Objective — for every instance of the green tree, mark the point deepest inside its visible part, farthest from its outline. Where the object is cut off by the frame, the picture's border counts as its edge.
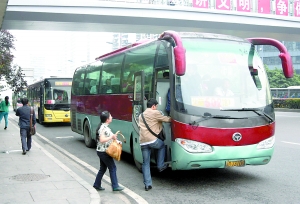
(12, 74)
(278, 80)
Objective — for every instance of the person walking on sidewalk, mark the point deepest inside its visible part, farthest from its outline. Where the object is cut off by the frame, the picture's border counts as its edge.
(148, 141)
(4, 109)
(24, 123)
(103, 141)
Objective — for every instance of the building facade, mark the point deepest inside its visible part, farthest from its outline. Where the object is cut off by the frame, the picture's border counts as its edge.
(270, 54)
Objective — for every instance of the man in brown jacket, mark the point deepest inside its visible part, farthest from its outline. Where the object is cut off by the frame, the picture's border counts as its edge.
(148, 141)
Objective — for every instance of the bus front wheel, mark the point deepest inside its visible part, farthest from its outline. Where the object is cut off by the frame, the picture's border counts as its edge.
(88, 140)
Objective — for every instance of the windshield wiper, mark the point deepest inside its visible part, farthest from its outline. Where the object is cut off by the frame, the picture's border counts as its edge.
(255, 110)
(208, 116)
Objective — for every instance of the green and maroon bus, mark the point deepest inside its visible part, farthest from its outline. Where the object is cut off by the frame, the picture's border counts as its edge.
(221, 103)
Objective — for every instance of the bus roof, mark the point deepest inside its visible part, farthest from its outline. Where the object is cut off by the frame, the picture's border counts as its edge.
(51, 78)
(120, 50)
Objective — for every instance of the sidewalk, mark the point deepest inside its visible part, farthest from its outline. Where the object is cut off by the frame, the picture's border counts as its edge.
(37, 177)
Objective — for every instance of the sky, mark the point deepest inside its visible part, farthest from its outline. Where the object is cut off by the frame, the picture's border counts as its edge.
(54, 52)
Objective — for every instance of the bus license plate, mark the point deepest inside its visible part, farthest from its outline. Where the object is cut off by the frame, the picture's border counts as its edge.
(66, 120)
(235, 163)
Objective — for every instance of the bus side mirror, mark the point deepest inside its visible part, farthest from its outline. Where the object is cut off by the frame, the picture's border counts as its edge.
(285, 57)
(179, 50)
(254, 72)
(180, 64)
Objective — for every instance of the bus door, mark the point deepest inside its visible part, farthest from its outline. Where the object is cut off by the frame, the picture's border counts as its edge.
(139, 105)
(40, 112)
(162, 87)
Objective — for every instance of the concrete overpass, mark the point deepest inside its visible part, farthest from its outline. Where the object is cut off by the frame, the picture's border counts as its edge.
(3, 5)
(103, 16)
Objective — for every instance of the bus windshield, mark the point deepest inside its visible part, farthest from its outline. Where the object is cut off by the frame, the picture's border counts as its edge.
(57, 93)
(222, 74)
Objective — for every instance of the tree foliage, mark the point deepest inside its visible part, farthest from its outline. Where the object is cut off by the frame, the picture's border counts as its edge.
(278, 80)
(12, 74)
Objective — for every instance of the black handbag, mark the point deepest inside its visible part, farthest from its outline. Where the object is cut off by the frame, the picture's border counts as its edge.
(160, 135)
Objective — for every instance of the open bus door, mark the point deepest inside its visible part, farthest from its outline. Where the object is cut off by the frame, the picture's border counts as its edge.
(162, 86)
(139, 105)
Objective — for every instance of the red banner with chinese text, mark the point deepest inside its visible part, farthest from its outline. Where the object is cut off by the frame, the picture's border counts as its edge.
(264, 6)
(223, 4)
(282, 7)
(297, 8)
(243, 5)
(200, 3)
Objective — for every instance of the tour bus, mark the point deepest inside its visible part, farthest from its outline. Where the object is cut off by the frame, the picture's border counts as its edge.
(51, 98)
(289, 92)
(208, 129)
(16, 99)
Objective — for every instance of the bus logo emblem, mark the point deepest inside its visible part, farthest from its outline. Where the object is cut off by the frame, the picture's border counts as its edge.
(66, 115)
(236, 136)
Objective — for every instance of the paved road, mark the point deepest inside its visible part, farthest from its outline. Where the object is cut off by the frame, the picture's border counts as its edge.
(277, 182)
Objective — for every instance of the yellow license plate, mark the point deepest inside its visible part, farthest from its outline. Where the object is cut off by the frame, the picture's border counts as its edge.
(66, 120)
(235, 163)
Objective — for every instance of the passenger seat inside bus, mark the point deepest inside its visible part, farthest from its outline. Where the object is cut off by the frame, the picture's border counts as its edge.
(115, 85)
(93, 89)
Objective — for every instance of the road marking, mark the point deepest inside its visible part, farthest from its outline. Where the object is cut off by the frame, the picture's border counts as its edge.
(64, 137)
(291, 143)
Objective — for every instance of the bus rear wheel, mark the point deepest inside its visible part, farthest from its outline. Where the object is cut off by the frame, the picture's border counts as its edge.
(88, 140)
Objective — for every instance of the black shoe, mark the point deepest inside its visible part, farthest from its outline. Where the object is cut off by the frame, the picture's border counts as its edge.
(99, 188)
(163, 168)
(24, 152)
(118, 189)
(5, 128)
(147, 188)
(27, 150)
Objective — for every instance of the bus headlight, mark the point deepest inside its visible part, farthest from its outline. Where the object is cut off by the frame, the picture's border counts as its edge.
(193, 146)
(267, 143)
(48, 115)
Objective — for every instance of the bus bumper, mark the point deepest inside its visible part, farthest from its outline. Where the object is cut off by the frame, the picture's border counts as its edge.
(221, 157)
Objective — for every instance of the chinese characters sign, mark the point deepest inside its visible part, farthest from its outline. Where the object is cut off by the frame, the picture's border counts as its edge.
(200, 3)
(297, 8)
(223, 4)
(264, 6)
(282, 7)
(243, 5)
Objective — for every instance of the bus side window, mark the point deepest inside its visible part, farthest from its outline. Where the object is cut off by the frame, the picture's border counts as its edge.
(115, 85)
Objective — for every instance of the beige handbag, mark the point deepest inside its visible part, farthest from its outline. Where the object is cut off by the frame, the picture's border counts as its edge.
(115, 149)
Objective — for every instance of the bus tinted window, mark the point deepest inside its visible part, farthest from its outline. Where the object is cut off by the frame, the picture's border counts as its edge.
(111, 73)
(78, 81)
(162, 57)
(92, 78)
(137, 60)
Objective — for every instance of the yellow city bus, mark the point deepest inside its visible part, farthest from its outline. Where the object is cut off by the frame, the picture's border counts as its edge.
(51, 99)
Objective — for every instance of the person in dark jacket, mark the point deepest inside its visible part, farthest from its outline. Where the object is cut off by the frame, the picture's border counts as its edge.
(24, 123)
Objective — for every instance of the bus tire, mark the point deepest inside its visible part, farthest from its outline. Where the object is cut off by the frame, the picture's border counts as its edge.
(88, 140)
(137, 164)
